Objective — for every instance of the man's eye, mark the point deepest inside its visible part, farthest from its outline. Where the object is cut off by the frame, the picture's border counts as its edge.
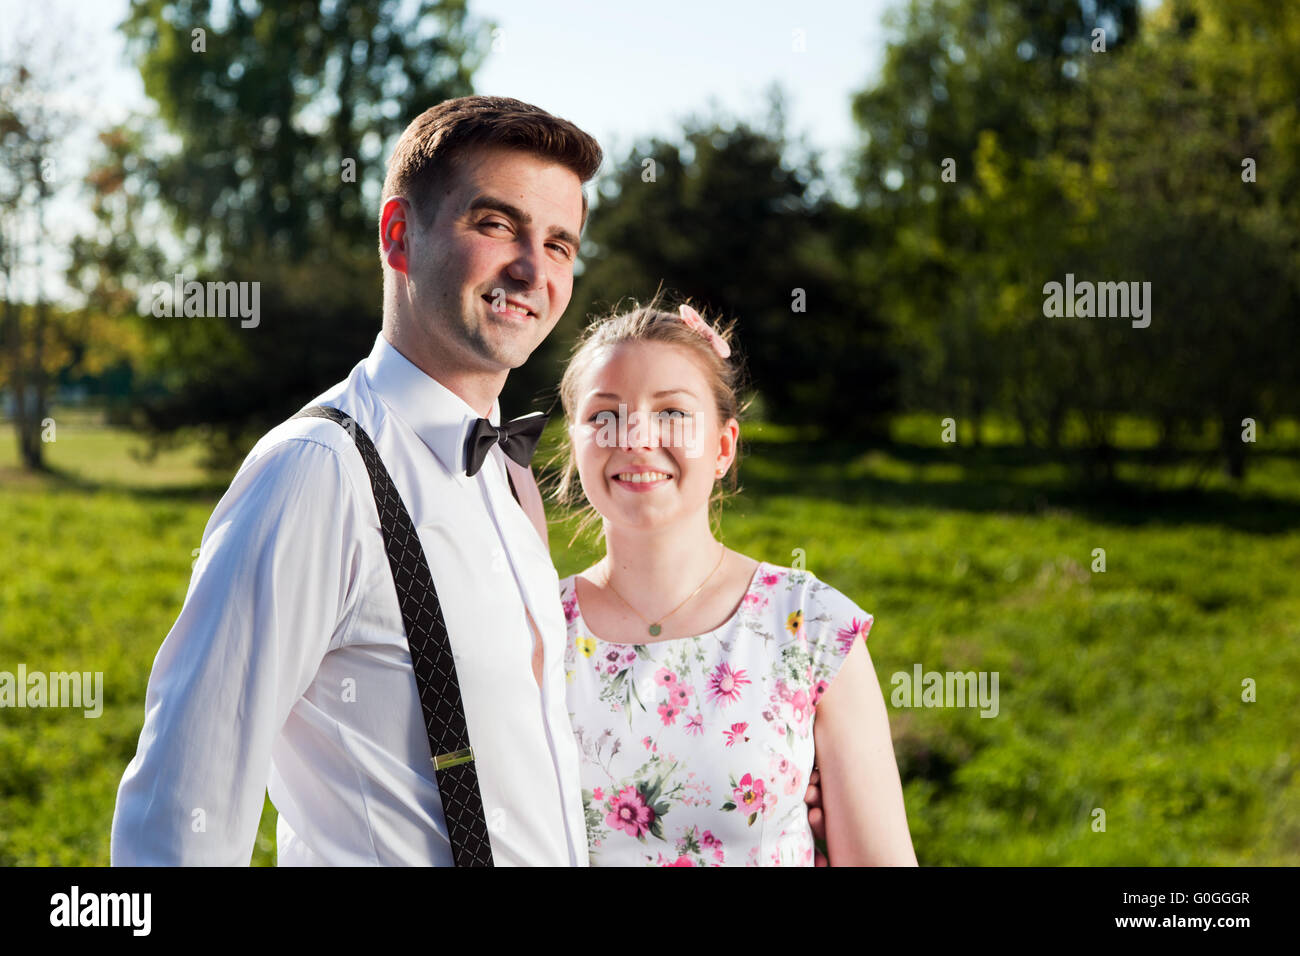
(562, 249)
(494, 222)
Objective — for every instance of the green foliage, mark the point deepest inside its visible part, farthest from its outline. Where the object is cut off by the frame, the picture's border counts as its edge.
(727, 217)
(1123, 165)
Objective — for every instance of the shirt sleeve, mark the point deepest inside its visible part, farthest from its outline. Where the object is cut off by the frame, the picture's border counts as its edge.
(833, 624)
(274, 579)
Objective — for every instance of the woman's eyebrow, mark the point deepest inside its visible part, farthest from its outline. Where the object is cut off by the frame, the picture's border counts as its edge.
(519, 216)
(667, 391)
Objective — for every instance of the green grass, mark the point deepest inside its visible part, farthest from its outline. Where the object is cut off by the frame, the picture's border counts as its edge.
(1119, 690)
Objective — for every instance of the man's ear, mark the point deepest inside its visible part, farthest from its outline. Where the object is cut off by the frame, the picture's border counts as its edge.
(394, 231)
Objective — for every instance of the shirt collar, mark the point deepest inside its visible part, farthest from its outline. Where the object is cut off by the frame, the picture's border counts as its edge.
(438, 415)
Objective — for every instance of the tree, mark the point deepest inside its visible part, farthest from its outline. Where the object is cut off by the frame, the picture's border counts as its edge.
(32, 130)
(727, 217)
(284, 113)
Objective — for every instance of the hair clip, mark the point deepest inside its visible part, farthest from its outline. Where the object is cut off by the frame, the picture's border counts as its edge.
(694, 320)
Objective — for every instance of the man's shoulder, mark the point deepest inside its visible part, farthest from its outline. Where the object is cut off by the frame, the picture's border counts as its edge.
(296, 442)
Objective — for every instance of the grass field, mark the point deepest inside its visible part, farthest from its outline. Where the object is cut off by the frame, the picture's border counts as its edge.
(1120, 691)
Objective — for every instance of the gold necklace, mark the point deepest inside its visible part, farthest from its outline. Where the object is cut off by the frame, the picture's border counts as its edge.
(655, 628)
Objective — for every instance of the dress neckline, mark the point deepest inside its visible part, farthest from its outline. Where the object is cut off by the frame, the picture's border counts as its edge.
(577, 607)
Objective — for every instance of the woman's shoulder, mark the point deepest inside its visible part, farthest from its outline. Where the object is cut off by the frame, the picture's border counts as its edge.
(792, 591)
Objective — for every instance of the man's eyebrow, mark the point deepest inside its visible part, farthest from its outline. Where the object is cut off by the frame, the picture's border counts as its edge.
(521, 217)
(667, 391)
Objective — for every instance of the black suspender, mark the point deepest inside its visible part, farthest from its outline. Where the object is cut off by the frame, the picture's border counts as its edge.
(435, 671)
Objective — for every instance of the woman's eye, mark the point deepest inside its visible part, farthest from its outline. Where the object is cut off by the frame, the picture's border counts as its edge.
(599, 415)
(675, 413)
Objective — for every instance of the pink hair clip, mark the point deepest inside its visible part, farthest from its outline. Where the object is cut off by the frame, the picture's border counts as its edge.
(694, 320)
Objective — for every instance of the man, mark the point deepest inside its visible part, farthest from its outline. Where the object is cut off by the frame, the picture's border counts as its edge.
(288, 666)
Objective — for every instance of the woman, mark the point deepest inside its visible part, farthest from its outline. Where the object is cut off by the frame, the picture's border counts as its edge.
(704, 684)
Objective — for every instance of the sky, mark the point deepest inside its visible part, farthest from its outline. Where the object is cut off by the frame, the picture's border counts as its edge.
(620, 70)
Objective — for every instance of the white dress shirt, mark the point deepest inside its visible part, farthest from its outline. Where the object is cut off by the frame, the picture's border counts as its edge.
(288, 667)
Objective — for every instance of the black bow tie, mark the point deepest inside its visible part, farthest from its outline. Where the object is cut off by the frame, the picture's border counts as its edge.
(518, 438)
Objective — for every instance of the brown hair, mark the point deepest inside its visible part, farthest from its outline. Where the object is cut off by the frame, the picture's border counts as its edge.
(427, 152)
(649, 323)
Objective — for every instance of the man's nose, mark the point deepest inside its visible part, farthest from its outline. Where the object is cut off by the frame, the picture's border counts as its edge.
(526, 266)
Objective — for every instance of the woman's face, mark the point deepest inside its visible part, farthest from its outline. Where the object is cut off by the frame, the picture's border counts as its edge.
(646, 436)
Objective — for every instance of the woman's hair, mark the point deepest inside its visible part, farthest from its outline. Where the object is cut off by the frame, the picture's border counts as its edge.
(648, 323)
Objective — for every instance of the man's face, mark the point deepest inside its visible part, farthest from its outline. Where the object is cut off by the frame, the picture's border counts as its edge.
(491, 274)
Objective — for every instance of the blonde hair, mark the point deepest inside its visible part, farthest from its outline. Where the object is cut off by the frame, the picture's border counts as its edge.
(649, 323)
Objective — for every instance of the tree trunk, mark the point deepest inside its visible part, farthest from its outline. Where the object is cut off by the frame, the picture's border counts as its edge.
(1233, 448)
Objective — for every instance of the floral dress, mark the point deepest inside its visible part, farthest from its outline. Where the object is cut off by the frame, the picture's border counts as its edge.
(696, 750)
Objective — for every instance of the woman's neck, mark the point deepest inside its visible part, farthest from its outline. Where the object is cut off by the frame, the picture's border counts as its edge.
(656, 570)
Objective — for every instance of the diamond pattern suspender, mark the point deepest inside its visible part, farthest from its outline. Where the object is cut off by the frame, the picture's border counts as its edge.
(435, 671)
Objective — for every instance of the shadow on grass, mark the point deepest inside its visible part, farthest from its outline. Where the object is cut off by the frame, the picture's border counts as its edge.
(993, 478)
(996, 479)
(65, 481)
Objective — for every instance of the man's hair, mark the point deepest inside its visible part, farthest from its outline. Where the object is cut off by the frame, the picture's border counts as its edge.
(426, 154)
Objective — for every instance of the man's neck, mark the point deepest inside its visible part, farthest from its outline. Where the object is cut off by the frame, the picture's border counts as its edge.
(478, 390)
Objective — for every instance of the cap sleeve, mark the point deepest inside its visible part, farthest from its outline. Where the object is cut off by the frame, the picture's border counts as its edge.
(833, 624)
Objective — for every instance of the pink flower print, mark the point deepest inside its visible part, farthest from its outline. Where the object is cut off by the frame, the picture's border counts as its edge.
(629, 657)
(571, 609)
(628, 812)
(665, 678)
(680, 695)
(753, 601)
(695, 724)
(598, 793)
(750, 796)
(718, 855)
(735, 733)
(725, 684)
(851, 632)
(800, 705)
(709, 839)
(680, 861)
(779, 766)
(818, 689)
(668, 713)
(769, 802)
(645, 742)
(793, 781)
(770, 579)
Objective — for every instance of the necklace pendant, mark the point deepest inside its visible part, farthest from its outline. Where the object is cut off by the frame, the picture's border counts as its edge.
(654, 630)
